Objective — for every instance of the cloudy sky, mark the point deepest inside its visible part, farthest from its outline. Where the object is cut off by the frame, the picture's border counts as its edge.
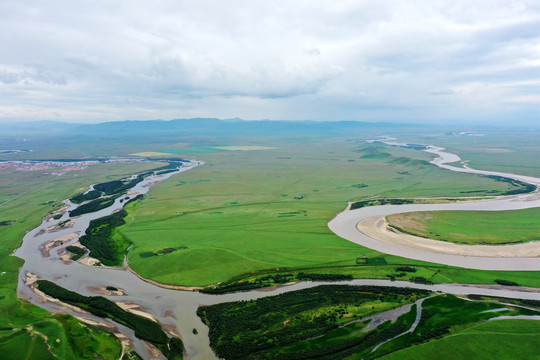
(322, 60)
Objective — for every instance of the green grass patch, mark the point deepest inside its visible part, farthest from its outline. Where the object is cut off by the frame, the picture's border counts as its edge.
(33, 347)
(500, 339)
(447, 315)
(472, 227)
(233, 218)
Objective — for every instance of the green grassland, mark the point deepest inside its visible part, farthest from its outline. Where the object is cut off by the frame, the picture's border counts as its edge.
(472, 227)
(448, 320)
(27, 331)
(250, 211)
(499, 339)
(511, 151)
(245, 215)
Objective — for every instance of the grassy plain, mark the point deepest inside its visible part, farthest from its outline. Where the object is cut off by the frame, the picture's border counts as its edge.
(500, 339)
(445, 317)
(472, 227)
(27, 331)
(512, 151)
(250, 211)
(256, 210)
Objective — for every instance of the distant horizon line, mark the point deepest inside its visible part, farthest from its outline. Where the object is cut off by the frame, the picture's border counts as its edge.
(447, 123)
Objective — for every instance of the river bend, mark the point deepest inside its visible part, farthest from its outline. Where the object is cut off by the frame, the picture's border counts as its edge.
(176, 310)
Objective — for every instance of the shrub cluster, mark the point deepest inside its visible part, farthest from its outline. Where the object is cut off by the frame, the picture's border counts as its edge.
(76, 252)
(506, 282)
(90, 195)
(323, 277)
(118, 186)
(97, 237)
(361, 204)
(406, 269)
(145, 329)
(93, 206)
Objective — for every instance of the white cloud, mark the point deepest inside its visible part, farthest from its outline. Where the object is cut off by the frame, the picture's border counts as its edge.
(94, 60)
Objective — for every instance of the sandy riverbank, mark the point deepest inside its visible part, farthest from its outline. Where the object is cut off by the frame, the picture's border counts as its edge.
(377, 228)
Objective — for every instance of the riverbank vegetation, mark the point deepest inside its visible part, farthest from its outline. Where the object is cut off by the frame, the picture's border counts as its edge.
(271, 280)
(521, 186)
(376, 202)
(93, 206)
(416, 272)
(90, 195)
(119, 186)
(102, 237)
(144, 328)
(76, 252)
(471, 227)
(27, 331)
(98, 238)
(258, 329)
(308, 324)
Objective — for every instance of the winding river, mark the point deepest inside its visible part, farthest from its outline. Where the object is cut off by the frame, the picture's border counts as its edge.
(176, 310)
(345, 223)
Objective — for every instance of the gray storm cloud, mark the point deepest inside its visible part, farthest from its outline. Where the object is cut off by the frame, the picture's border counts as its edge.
(353, 60)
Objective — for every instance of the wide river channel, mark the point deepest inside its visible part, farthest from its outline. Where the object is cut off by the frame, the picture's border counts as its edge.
(176, 310)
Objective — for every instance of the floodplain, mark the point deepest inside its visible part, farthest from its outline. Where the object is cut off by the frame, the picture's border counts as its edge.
(262, 210)
(255, 216)
(471, 227)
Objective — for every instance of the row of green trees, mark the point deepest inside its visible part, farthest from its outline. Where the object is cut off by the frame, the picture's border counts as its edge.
(270, 280)
(364, 203)
(90, 195)
(120, 186)
(93, 206)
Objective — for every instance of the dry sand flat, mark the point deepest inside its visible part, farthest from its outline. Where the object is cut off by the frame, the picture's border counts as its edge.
(46, 248)
(378, 229)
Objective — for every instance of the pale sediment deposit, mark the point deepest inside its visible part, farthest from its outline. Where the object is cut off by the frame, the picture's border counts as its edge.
(378, 229)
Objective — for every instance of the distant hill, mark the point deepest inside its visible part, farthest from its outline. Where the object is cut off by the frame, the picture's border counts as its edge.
(194, 127)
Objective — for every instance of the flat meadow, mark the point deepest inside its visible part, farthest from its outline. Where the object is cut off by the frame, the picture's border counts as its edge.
(247, 211)
(472, 227)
